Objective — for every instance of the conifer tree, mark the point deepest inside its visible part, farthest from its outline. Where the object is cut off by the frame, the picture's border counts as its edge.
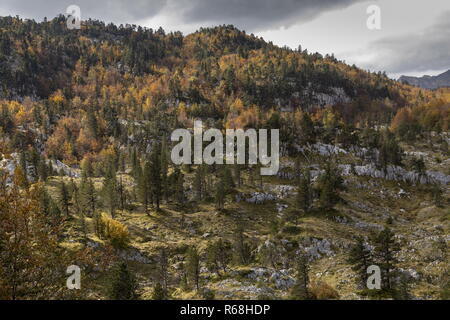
(109, 190)
(330, 184)
(155, 175)
(300, 291)
(304, 193)
(123, 284)
(390, 151)
(218, 256)
(360, 258)
(142, 184)
(193, 266)
(164, 170)
(158, 292)
(199, 183)
(179, 186)
(386, 248)
(88, 196)
(220, 194)
(242, 249)
(437, 192)
(163, 270)
(64, 198)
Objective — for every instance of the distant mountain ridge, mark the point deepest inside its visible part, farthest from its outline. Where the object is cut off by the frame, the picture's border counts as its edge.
(428, 82)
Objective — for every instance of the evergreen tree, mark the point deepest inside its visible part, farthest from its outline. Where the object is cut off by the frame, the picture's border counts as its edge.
(179, 186)
(193, 266)
(304, 193)
(330, 184)
(242, 249)
(121, 191)
(228, 180)
(390, 151)
(43, 171)
(158, 292)
(88, 196)
(199, 183)
(155, 175)
(123, 284)
(360, 258)
(437, 192)
(64, 198)
(164, 170)
(385, 251)
(237, 175)
(163, 268)
(142, 176)
(218, 256)
(109, 190)
(220, 194)
(300, 291)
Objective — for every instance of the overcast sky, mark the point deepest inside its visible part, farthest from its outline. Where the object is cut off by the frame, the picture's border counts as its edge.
(414, 38)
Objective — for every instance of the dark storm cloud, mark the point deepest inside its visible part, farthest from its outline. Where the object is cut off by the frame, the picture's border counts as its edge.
(251, 15)
(118, 11)
(427, 50)
(259, 14)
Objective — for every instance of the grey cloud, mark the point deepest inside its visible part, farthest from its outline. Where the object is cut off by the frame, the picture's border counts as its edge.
(118, 11)
(251, 15)
(258, 15)
(428, 50)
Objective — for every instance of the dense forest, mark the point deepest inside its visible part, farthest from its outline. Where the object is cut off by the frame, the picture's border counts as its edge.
(85, 121)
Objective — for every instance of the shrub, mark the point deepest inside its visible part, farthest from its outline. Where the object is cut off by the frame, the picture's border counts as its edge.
(114, 231)
(291, 229)
(323, 291)
(208, 294)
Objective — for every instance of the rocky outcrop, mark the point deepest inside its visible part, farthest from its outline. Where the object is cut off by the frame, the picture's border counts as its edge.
(396, 173)
(256, 197)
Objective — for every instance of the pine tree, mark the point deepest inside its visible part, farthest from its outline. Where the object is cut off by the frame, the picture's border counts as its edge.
(330, 184)
(43, 171)
(437, 192)
(64, 198)
(123, 284)
(179, 186)
(304, 194)
(121, 190)
(109, 190)
(228, 180)
(237, 175)
(360, 258)
(385, 251)
(158, 292)
(199, 183)
(164, 170)
(193, 266)
(300, 291)
(77, 207)
(218, 256)
(88, 196)
(163, 270)
(155, 175)
(402, 291)
(390, 151)
(242, 250)
(220, 194)
(142, 177)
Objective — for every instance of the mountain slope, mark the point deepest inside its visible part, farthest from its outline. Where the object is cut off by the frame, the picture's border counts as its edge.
(428, 82)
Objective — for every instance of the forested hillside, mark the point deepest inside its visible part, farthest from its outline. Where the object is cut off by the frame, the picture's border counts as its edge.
(86, 177)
